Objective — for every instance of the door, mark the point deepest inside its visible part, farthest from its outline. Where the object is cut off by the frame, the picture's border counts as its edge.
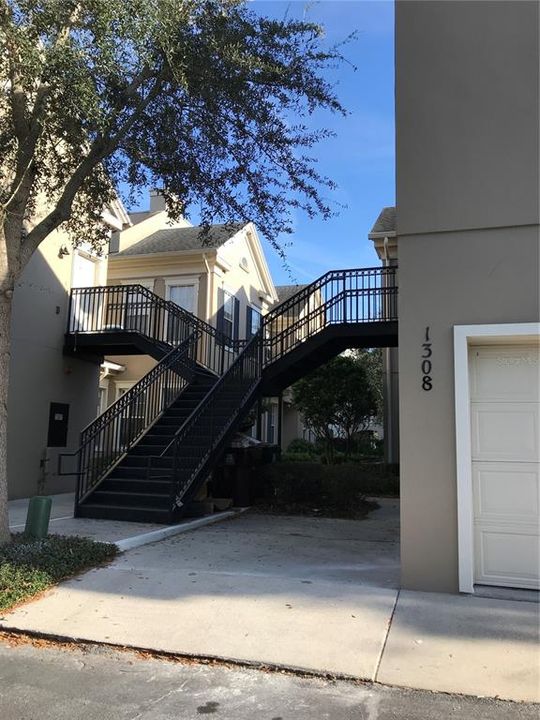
(185, 296)
(83, 306)
(505, 464)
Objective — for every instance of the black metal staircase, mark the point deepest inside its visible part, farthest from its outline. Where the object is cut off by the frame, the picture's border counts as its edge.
(148, 454)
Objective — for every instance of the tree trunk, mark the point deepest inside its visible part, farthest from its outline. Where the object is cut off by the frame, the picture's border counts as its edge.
(5, 354)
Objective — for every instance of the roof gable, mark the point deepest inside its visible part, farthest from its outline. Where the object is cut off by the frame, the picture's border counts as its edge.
(182, 239)
(385, 224)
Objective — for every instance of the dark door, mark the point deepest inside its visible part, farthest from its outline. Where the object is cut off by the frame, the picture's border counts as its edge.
(58, 425)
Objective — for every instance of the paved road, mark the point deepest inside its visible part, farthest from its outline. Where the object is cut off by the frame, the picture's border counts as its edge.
(91, 682)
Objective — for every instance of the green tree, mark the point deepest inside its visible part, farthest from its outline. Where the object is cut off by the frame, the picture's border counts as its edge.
(203, 98)
(337, 400)
(372, 361)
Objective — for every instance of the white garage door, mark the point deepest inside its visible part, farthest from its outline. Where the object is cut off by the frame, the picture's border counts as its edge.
(505, 405)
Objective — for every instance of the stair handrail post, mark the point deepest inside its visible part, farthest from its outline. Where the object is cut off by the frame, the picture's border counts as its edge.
(344, 298)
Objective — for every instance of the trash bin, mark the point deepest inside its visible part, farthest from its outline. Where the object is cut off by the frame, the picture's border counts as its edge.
(38, 516)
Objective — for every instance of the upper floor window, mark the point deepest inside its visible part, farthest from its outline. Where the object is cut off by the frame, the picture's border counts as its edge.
(228, 314)
(253, 321)
(184, 296)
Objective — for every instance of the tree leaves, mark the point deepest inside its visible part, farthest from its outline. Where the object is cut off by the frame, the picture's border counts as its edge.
(203, 98)
(337, 399)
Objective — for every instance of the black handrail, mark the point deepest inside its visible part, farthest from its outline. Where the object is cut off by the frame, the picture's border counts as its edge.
(211, 419)
(331, 283)
(338, 297)
(347, 307)
(110, 309)
(106, 440)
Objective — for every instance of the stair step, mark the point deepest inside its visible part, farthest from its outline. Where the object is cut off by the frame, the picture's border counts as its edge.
(113, 498)
(167, 430)
(137, 485)
(139, 461)
(152, 438)
(147, 450)
(124, 512)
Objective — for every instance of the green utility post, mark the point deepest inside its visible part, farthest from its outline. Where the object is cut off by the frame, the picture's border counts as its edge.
(37, 519)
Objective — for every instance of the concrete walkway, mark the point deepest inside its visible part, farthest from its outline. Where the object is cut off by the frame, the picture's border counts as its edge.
(126, 535)
(313, 594)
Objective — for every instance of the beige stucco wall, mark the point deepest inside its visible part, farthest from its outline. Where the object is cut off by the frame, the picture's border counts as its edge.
(293, 426)
(467, 223)
(41, 374)
(489, 276)
(466, 114)
(223, 268)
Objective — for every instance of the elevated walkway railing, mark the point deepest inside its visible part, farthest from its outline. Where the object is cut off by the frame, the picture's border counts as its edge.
(133, 309)
(340, 297)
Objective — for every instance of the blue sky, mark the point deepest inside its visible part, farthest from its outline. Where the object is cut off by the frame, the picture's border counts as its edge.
(360, 159)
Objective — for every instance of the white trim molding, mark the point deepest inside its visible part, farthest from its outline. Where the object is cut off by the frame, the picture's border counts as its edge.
(464, 337)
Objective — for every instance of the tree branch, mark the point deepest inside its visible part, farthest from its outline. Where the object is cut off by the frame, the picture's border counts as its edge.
(99, 150)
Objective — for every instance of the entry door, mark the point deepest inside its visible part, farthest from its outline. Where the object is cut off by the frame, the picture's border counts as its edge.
(184, 297)
(505, 465)
(83, 275)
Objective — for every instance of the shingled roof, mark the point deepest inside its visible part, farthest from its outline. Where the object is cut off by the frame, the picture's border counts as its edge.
(385, 223)
(181, 239)
(284, 292)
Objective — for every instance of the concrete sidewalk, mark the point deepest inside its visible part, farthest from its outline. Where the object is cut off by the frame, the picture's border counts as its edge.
(126, 535)
(311, 594)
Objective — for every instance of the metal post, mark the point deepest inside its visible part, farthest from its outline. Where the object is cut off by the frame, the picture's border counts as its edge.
(280, 418)
(259, 419)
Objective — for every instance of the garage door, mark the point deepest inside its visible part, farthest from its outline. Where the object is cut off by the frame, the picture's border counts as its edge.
(505, 392)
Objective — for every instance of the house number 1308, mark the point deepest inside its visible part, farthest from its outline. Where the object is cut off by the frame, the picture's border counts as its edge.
(427, 381)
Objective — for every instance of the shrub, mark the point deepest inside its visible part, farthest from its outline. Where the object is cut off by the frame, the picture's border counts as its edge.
(29, 566)
(299, 445)
(298, 457)
(318, 484)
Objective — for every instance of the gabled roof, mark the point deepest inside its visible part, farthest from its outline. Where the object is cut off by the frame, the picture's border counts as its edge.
(284, 292)
(385, 224)
(137, 217)
(177, 239)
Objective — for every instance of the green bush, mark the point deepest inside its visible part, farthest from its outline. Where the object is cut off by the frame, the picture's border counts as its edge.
(299, 445)
(298, 457)
(29, 566)
(332, 485)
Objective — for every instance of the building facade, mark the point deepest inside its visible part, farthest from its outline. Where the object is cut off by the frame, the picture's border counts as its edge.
(468, 252)
(51, 396)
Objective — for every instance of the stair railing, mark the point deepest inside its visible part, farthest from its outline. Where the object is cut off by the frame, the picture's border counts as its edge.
(113, 309)
(338, 297)
(208, 424)
(106, 440)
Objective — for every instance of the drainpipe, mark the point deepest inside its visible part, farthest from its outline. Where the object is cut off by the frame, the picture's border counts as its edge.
(385, 246)
(208, 288)
(388, 420)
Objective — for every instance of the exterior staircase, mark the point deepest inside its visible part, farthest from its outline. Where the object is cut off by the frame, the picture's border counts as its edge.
(145, 458)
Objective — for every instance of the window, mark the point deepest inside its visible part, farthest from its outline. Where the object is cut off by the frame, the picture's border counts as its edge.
(137, 312)
(183, 296)
(228, 314)
(253, 321)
